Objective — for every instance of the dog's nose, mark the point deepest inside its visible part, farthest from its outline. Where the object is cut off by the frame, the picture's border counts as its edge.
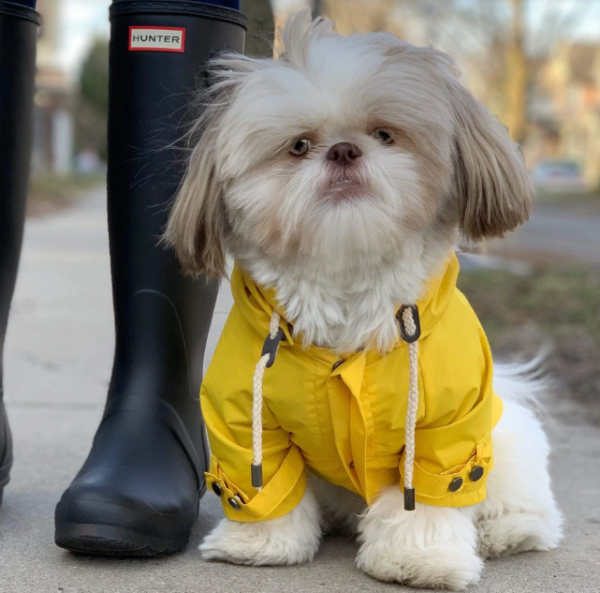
(344, 153)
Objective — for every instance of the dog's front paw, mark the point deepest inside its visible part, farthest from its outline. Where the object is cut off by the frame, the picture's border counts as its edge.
(291, 539)
(432, 568)
(430, 547)
(258, 544)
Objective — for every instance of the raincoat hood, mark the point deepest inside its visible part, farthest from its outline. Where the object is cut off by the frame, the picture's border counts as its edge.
(347, 418)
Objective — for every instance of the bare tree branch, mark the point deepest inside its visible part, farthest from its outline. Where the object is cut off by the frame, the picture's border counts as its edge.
(502, 42)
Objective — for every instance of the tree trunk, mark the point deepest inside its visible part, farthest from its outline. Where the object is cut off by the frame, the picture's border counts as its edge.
(317, 8)
(517, 75)
(261, 27)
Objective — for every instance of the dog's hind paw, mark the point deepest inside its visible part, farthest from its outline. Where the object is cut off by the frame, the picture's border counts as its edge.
(512, 533)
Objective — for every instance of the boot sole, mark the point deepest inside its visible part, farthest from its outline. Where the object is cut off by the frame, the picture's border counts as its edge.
(108, 540)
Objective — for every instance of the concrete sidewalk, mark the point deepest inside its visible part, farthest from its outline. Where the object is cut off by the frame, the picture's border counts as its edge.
(57, 369)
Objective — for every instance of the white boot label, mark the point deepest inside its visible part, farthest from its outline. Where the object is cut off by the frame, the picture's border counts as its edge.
(156, 39)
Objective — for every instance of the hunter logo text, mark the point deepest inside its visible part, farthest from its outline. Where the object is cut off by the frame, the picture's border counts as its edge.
(157, 39)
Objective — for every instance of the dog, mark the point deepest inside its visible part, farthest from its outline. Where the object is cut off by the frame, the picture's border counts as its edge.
(340, 178)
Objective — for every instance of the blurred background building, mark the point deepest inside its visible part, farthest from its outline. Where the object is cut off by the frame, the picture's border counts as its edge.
(53, 131)
(535, 63)
(70, 31)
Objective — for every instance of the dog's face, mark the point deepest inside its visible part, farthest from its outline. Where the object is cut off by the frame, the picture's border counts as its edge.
(345, 147)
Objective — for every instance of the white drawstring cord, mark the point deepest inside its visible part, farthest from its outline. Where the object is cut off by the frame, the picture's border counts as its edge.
(412, 331)
(257, 403)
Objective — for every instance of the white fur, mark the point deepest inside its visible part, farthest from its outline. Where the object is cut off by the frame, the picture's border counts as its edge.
(432, 547)
(439, 548)
(348, 307)
(520, 512)
(443, 548)
(341, 509)
(291, 539)
(343, 259)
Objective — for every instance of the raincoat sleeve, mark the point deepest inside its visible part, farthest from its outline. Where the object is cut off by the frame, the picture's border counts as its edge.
(226, 400)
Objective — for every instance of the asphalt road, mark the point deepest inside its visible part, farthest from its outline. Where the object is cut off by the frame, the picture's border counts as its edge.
(57, 368)
(554, 235)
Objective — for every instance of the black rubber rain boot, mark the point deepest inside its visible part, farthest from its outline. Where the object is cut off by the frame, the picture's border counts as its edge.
(18, 34)
(137, 494)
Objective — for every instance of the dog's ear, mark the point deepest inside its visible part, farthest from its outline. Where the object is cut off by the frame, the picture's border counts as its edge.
(492, 185)
(197, 223)
(196, 227)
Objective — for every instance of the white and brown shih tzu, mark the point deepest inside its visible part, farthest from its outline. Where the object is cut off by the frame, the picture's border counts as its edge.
(339, 177)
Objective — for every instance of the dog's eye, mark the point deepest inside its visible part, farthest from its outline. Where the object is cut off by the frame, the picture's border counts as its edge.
(383, 136)
(301, 147)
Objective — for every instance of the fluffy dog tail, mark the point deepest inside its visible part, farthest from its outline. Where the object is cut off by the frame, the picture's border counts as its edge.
(527, 383)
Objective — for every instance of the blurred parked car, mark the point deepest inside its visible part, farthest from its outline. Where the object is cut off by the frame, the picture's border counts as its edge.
(558, 176)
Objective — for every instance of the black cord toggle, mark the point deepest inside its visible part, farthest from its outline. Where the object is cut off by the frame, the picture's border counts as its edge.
(271, 346)
(257, 475)
(409, 338)
(409, 499)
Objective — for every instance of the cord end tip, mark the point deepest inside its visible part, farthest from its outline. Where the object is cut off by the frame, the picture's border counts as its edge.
(257, 476)
(409, 499)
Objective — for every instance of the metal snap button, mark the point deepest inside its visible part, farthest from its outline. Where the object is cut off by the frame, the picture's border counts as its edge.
(455, 484)
(234, 504)
(476, 473)
(336, 365)
(217, 488)
(352, 465)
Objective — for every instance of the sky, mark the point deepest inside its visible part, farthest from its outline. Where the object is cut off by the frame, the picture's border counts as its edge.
(81, 21)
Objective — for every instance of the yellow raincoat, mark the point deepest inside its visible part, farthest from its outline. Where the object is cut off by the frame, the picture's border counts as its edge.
(344, 421)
